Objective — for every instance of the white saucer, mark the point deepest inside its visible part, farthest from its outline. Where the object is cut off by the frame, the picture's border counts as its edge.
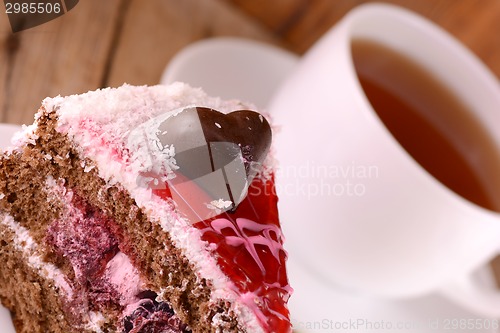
(250, 71)
(232, 68)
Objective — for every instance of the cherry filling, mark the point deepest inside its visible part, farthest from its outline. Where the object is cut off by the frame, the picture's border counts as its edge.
(83, 236)
(90, 241)
(248, 248)
(151, 316)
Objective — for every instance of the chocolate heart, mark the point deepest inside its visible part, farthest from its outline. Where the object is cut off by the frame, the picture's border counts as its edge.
(228, 147)
(248, 129)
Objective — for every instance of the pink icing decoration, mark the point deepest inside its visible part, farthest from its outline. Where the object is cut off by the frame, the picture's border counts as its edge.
(264, 237)
(248, 234)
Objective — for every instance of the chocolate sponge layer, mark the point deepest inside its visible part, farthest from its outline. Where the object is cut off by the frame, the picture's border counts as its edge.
(33, 300)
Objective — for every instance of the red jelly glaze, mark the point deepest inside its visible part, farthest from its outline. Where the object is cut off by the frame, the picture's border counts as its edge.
(270, 287)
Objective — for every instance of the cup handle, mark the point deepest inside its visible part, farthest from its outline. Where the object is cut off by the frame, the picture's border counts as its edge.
(474, 294)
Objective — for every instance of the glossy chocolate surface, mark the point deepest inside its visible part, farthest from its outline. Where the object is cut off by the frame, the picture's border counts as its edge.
(221, 153)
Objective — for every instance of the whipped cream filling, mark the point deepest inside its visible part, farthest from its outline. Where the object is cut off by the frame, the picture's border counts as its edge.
(124, 277)
(95, 322)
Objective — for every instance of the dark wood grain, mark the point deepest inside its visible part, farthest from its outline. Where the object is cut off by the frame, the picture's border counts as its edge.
(101, 43)
(153, 31)
(64, 56)
(106, 43)
(299, 23)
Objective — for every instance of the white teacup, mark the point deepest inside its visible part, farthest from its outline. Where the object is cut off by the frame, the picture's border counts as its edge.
(358, 209)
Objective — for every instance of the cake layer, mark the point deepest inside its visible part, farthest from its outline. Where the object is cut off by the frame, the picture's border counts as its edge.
(42, 197)
(29, 287)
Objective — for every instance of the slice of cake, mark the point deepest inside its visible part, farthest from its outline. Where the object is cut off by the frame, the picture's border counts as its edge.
(142, 209)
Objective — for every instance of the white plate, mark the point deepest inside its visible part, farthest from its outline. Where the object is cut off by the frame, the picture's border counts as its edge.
(235, 68)
(6, 132)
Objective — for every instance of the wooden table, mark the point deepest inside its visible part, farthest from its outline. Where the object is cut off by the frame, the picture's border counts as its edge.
(108, 42)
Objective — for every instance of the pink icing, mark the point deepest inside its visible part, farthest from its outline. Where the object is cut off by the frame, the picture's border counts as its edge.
(124, 277)
(266, 235)
(249, 234)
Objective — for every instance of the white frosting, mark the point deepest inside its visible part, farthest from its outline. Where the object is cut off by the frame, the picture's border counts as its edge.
(99, 123)
(148, 152)
(95, 322)
(25, 136)
(219, 206)
(25, 244)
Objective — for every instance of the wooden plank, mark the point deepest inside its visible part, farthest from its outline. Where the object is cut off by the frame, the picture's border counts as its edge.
(67, 55)
(277, 15)
(155, 30)
(301, 22)
(5, 60)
